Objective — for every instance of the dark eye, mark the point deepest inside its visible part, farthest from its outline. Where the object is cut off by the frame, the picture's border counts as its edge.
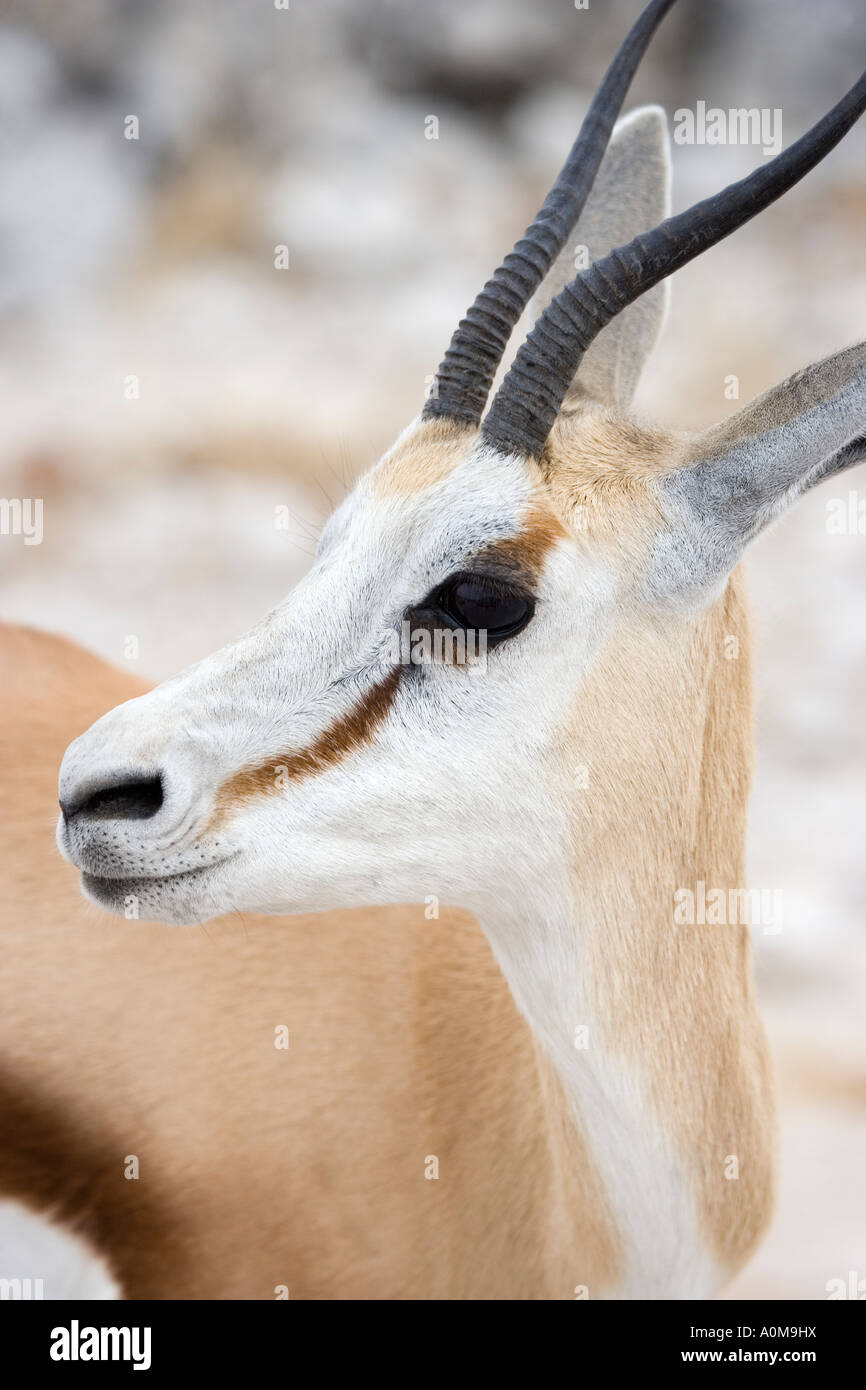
(482, 603)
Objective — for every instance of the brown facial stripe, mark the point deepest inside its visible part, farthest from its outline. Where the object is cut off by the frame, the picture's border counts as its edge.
(350, 732)
(524, 554)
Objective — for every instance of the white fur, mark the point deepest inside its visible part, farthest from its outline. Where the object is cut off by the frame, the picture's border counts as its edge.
(51, 1261)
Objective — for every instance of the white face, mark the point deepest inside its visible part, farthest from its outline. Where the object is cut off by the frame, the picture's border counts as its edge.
(308, 766)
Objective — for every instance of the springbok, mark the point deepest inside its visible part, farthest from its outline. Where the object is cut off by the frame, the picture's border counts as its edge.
(553, 1088)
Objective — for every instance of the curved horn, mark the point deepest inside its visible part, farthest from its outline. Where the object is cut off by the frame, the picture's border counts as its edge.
(469, 365)
(526, 405)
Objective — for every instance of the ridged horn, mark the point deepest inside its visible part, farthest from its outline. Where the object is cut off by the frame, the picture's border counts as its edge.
(522, 413)
(466, 373)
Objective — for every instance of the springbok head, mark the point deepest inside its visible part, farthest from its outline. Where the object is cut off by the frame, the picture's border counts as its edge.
(503, 597)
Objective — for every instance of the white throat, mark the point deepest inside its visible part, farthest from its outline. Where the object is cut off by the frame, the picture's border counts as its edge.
(536, 931)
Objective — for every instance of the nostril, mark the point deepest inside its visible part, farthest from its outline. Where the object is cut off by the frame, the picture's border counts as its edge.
(137, 799)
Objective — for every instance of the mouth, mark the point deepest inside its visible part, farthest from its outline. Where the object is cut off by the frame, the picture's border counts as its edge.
(181, 897)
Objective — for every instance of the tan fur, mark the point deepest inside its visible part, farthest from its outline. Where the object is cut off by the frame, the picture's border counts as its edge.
(422, 458)
(598, 472)
(671, 777)
(670, 780)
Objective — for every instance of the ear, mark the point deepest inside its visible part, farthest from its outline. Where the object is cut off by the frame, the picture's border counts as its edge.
(743, 473)
(631, 194)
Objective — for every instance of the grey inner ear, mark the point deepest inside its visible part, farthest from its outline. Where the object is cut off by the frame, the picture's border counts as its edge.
(743, 473)
(852, 452)
(631, 194)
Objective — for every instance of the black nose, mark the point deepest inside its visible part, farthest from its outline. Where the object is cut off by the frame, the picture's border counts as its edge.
(137, 799)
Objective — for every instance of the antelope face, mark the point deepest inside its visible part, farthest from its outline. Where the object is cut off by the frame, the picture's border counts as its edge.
(316, 763)
(368, 741)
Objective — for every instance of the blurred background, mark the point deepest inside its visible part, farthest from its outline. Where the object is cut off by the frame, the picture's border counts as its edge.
(167, 381)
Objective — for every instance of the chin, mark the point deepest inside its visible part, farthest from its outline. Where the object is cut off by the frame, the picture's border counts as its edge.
(181, 900)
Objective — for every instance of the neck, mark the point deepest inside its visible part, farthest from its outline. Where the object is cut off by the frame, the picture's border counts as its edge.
(651, 1025)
